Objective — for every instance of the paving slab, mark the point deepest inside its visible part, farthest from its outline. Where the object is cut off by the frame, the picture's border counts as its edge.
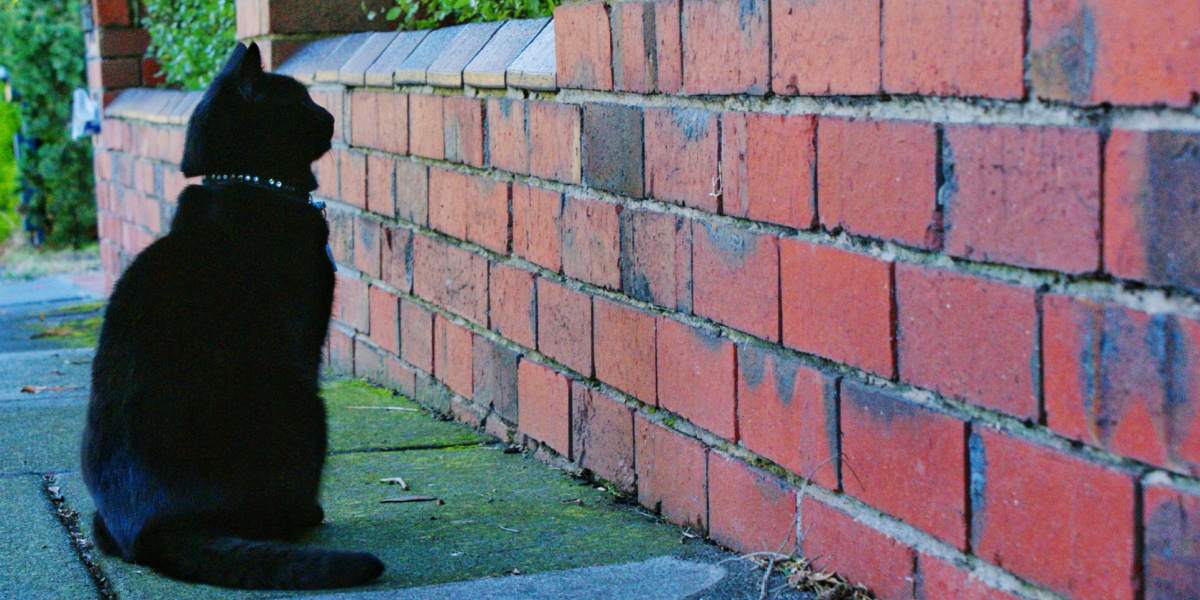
(63, 370)
(488, 67)
(35, 551)
(416, 64)
(304, 63)
(42, 434)
(535, 68)
(354, 71)
(380, 72)
(446, 70)
(330, 66)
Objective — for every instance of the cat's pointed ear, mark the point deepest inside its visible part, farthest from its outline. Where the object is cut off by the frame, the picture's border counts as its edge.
(250, 71)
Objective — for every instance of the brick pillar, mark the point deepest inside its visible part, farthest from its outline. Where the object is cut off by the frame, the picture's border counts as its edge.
(116, 49)
(282, 26)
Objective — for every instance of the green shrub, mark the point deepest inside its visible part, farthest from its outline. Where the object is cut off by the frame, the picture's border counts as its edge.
(10, 121)
(426, 14)
(41, 43)
(190, 38)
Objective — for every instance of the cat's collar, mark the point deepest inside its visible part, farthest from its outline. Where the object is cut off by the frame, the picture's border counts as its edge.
(265, 182)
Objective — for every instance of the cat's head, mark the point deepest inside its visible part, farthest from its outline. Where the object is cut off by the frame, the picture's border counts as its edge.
(256, 123)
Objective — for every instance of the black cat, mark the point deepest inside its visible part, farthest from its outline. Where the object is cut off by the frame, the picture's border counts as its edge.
(206, 437)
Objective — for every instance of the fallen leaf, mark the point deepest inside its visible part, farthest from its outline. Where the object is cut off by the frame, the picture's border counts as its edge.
(399, 499)
(37, 389)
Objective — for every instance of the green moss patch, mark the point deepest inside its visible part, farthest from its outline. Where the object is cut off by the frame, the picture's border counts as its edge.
(362, 416)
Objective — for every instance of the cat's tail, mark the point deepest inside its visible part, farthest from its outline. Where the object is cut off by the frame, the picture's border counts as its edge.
(255, 564)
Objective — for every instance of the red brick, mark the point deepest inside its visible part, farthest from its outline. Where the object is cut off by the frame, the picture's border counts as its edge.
(368, 361)
(948, 48)
(352, 171)
(452, 278)
(751, 511)
(591, 241)
(416, 335)
(656, 258)
(513, 306)
(968, 337)
(495, 381)
(1172, 543)
(364, 118)
(681, 156)
(1036, 511)
(612, 148)
(726, 47)
(1029, 196)
(381, 185)
(122, 42)
(633, 47)
(671, 473)
(367, 245)
(908, 461)
(412, 192)
(452, 355)
(564, 325)
(1096, 51)
(937, 578)
(111, 12)
(1122, 379)
(487, 212)
(399, 376)
(767, 164)
(379, 120)
(121, 72)
(508, 136)
(341, 234)
(837, 304)
(624, 348)
(668, 46)
(583, 51)
(835, 541)
(544, 406)
(463, 130)
(152, 73)
(602, 435)
(825, 47)
(536, 218)
(696, 372)
(341, 349)
(879, 179)
(426, 127)
(1150, 210)
(728, 261)
(397, 256)
(385, 319)
(333, 99)
(554, 131)
(350, 301)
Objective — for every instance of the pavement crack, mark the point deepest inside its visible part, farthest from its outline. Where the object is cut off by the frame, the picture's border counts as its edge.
(83, 547)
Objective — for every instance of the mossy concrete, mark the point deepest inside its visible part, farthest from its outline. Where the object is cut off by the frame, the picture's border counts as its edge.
(362, 417)
(37, 557)
(41, 435)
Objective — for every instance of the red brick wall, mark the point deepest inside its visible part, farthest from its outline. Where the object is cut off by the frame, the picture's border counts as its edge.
(923, 307)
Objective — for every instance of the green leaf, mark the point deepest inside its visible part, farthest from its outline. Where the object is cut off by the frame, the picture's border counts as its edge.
(393, 13)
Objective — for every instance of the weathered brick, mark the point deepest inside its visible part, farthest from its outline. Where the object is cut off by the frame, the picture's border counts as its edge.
(341, 349)
(825, 47)
(908, 461)
(681, 155)
(448, 202)
(1035, 510)
(1151, 212)
(751, 511)
(412, 192)
(508, 135)
(591, 241)
(385, 319)
(1172, 542)
(726, 47)
(938, 578)
(513, 304)
(350, 301)
(397, 257)
(671, 473)
(487, 213)
(391, 123)
(364, 118)
(416, 335)
(612, 148)
(399, 376)
(463, 130)
(367, 253)
(767, 167)
(1122, 379)
(837, 304)
(656, 258)
(728, 261)
(426, 137)
(878, 179)
(452, 354)
(969, 337)
(1029, 196)
(836, 542)
(381, 185)
(341, 234)
(495, 381)
(583, 49)
(111, 12)
(537, 215)
(554, 132)
(333, 99)
(352, 175)
(451, 277)
(696, 372)
(633, 47)
(1096, 51)
(368, 361)
(788, 413)
(948, 48)
(668, 46)
(602, 435)
(544, 405)
(624, 348)
(564, 325)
